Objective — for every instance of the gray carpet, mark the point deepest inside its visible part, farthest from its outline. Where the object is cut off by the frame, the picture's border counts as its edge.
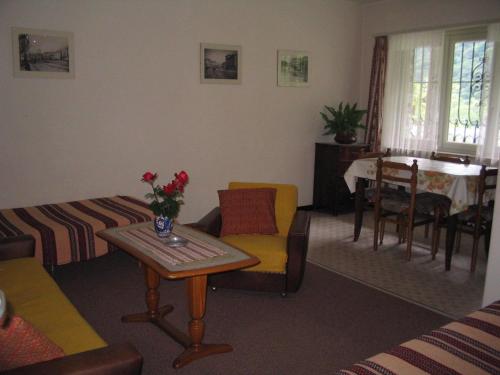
(423, 281)
(329, 324)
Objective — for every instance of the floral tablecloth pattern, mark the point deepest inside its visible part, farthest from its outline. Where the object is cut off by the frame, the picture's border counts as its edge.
(456, 181)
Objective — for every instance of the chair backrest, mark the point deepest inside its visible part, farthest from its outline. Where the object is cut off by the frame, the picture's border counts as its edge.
(387, 171)
(365, 155)
(483, 185)
(450, 158)
(285, 205)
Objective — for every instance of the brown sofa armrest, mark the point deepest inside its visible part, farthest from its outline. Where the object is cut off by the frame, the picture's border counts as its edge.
(17, 247)
(298, 238)
(211, 223)
(119, 359)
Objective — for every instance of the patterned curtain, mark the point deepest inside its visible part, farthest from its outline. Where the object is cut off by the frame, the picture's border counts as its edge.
(376, 96)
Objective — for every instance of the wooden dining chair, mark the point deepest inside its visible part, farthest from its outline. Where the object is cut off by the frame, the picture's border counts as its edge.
(478, 218)
(458, 159)
(402, 206)
(370, 188)
(442, 201)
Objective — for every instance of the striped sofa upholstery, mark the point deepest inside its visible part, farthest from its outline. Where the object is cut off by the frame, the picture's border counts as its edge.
(65, 232)
(468, 346)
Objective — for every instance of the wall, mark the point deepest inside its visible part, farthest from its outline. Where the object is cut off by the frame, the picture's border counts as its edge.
(137, 103)
(492, 284)
(392, 16)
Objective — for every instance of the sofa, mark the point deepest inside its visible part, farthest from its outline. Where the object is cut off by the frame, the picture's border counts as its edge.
(470, 345)
(34, 297)
(282, 255)
(65, 232)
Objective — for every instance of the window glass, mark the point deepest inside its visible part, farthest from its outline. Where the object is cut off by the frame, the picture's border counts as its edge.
(468, 92)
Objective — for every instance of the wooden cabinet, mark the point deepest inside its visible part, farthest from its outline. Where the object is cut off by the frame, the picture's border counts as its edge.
(330, 163)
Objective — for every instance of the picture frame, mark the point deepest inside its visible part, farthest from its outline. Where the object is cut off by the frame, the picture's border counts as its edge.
(42, 53)
(293, 68)
(220, 63)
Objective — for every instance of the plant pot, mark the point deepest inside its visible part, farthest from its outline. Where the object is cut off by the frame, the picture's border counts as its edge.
(345, 138)
(163, 226)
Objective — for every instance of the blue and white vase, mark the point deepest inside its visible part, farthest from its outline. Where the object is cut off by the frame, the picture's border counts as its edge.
(163, 226)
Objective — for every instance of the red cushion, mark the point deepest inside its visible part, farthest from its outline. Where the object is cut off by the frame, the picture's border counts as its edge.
(248, 211)
(22, 344)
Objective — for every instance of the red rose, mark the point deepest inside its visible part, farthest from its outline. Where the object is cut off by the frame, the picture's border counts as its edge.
(179, 186)
(149, 177)
(182, 177)
(169, 189)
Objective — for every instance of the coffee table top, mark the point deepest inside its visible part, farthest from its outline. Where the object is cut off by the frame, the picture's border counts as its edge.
(203, 254)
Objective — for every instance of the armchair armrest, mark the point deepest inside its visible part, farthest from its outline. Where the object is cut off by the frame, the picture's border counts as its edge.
(297, 242)
(17, 247)
(211, 223)
(120, 359)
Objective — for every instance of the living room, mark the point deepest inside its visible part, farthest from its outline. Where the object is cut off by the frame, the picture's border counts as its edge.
(137, 103)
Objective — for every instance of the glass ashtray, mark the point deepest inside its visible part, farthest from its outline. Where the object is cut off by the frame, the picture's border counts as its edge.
(175, 241)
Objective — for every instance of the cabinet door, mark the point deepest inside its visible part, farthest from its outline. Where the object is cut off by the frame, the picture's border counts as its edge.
(324, 175)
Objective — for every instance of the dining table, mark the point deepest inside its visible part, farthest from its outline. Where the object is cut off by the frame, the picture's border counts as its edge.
(456, 181)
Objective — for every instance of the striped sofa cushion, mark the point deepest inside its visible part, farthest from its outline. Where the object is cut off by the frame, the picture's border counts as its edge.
(468, 346)
(65, 232)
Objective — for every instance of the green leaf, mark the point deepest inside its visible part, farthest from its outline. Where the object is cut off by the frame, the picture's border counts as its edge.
(346, 118)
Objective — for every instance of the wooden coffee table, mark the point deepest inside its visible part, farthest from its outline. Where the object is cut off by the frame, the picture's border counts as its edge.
(203, 255)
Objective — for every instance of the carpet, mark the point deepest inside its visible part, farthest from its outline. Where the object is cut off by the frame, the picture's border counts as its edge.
(455, 293)
(330, 323)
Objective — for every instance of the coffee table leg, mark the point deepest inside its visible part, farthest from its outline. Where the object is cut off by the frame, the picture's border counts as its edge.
(155, 314)
(197, 293)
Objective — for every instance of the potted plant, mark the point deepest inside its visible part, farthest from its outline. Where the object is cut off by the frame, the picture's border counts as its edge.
(344, 122)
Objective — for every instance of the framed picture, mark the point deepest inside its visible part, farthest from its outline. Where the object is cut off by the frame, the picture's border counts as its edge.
(220, 63)
(293, 68)
(42, 53)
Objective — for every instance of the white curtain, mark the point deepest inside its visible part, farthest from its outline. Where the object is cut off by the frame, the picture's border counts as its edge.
(488, 150)
(403, 131)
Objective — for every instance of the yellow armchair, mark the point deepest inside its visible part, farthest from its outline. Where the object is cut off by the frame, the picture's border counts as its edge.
(282, 256)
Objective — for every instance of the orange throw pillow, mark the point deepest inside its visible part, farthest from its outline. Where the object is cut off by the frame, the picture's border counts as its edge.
(22, 344)
(247, 211)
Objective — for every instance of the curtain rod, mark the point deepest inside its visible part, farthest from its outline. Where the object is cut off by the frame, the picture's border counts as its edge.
(451, 26)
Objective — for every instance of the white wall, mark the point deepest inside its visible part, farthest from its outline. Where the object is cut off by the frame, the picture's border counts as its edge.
(137, 102)
(392, 16)
(492, 285)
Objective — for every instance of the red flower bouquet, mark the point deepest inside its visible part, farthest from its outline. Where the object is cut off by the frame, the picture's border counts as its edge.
(166, 199)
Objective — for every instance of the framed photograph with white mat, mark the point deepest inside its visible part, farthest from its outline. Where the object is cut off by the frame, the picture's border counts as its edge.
(293, 68)
(43, 53)
(220, 63)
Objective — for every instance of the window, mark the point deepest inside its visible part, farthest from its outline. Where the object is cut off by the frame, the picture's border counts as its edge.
(441, 94)
(466, 88)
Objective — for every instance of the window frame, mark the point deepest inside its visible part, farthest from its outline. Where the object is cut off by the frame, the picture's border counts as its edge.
(452, 37)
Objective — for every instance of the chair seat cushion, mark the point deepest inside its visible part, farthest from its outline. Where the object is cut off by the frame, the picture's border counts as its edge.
(470, 214)
(271, 250)
(386, 193)
(426, 202)
(394, 205)
(32, 294)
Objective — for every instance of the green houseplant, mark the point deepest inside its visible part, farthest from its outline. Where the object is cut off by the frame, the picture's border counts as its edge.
(343, 122)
